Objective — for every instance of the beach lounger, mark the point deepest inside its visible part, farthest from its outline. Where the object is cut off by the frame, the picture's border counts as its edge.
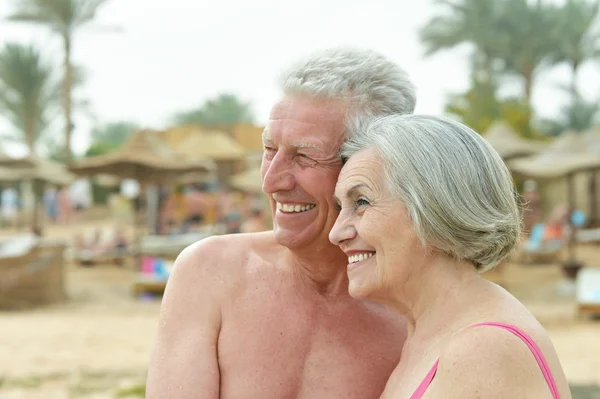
(537, 249)
(588, 291)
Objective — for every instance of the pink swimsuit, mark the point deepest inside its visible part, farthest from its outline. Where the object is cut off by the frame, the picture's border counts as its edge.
(535, 349)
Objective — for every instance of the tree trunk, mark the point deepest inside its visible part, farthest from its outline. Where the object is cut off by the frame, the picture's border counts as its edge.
(67, 85)
(574, 93)
(30, 135)
(528, 78)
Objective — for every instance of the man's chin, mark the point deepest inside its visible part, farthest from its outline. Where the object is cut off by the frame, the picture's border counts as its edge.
(294, 238)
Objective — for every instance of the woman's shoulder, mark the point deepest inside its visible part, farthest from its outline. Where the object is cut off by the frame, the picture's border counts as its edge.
(499, 358)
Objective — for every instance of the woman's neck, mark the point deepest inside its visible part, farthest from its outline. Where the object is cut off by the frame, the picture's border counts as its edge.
(435, 296)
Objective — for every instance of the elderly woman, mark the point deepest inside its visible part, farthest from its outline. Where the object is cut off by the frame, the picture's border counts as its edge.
(426, 205)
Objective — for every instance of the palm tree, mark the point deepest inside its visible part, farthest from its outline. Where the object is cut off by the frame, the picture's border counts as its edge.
(63, 17)
(529, 29)
(576, 40)
(475, 22)
(220, 112)
(28, 91)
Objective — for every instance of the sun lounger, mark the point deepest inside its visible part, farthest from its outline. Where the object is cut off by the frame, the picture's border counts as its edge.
(538, 249)
(588, 291)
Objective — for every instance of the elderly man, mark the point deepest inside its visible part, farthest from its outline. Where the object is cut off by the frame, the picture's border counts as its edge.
(268, 315)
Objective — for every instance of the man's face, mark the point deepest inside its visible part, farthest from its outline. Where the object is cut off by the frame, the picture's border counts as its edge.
(300, 167)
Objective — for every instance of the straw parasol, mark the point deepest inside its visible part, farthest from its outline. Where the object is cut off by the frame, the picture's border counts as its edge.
(197, 141)
(570, 153)
(35, 169)
(144, 157)
(508, 144)
(10, 162)
(39, 169)
(249, 180)
(212, 144)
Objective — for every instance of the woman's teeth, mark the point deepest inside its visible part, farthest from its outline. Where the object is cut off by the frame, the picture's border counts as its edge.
(360, 257)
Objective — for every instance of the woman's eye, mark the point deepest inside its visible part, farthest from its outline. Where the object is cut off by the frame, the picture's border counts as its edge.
(360, 202)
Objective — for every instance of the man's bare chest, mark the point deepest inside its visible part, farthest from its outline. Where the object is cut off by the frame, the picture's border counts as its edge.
(290, 349)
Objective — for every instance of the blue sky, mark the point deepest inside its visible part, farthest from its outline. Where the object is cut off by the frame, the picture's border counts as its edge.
(173, 54)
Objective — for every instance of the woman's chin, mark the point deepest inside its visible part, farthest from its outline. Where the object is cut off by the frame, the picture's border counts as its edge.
(358, 289)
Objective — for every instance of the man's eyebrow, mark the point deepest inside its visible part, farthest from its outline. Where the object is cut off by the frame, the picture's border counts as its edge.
(267, 139)
(306, 145)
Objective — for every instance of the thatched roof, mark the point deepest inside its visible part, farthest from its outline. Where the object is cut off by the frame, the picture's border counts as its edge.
(249, 180)
(508, 144)
(213, 144)
(7, 161)
(569, 153)
(33, 167)
(144, 157)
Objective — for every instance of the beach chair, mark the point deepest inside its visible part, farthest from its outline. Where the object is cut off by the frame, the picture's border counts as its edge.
(588, 292)
(537, 249)
(100, 249)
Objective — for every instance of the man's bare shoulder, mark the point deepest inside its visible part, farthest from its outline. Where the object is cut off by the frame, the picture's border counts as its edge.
(219, 256)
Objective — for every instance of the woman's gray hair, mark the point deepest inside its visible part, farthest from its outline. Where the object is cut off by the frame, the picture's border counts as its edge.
(374, 85)
(458, 191)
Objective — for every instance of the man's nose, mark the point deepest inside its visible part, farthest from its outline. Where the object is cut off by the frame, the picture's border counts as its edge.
(278, 175)
(342, 230)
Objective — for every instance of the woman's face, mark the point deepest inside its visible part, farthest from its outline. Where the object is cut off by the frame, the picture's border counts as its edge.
(373, 229)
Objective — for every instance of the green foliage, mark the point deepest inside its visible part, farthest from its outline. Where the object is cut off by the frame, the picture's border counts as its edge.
(519, 38)
(577, 38)
(579, 117)
(113, 135)
(224, 110)
(61, 16)
(137, 391)
(28, 91)
(474, 22)
(479, 108)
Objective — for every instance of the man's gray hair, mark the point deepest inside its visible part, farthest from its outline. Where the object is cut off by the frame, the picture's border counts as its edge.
(374, 85)
(458, 191)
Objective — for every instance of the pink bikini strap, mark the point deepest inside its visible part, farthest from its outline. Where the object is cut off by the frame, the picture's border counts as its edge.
(533, 347)
(418, 394)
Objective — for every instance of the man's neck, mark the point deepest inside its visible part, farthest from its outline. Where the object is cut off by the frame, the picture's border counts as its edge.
(322, 269)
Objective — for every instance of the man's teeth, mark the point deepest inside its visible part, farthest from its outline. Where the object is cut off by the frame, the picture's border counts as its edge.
(294, 207)
(359, 257)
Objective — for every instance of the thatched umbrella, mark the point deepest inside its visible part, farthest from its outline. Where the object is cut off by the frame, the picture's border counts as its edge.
(568, 155)
(508, 144)
(10, 162)
(219, 146)
(41, 169)
(145, 158)
(249, 180)
(37, 170)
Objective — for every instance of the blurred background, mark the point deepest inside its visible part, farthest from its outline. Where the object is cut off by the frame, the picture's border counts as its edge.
(130, 129)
